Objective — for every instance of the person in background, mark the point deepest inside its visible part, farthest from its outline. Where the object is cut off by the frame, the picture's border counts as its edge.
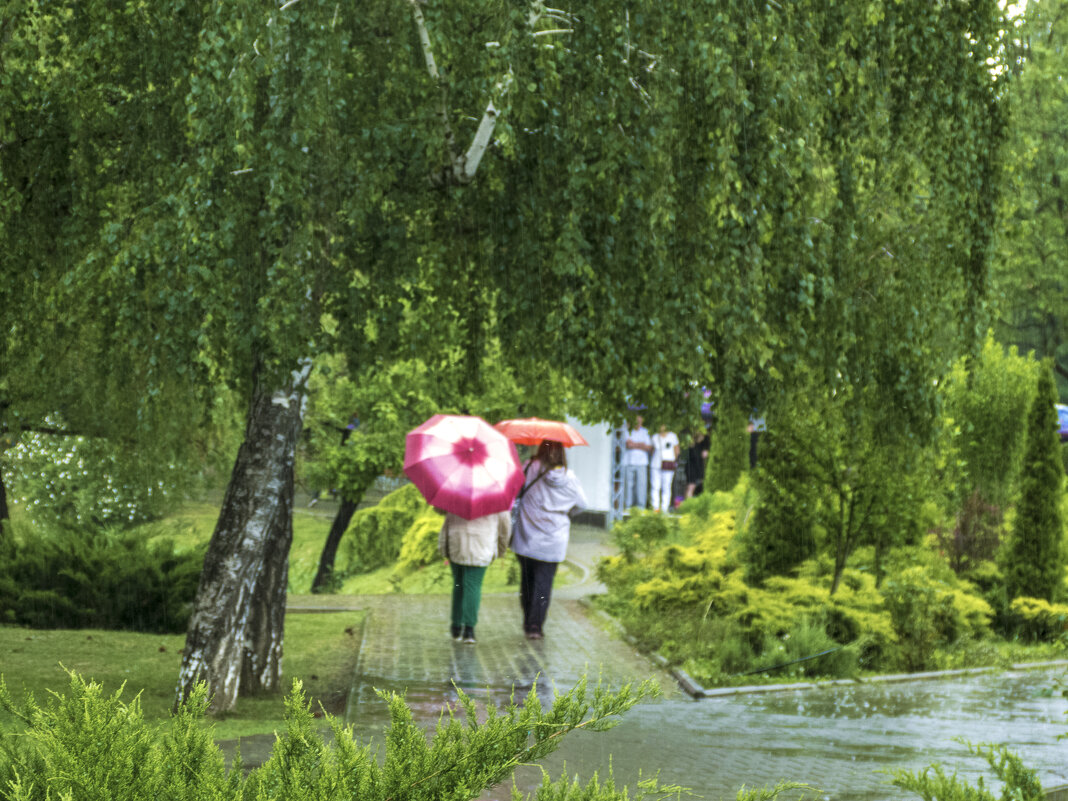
(639, 446)
(756, 427)
(470, 546)
(696, 459)
(662, 473)
(550, 497)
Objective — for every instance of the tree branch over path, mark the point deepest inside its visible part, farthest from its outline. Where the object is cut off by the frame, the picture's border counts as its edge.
(463, 167)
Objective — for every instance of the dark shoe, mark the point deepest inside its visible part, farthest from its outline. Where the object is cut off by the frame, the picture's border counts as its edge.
(456, 632)
(469, 634)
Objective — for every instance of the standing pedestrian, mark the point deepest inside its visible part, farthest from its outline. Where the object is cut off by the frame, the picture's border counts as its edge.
(470, 546)
(550, 497)
(696, 459)
(756, 427)
(639, 446)
(662, 473)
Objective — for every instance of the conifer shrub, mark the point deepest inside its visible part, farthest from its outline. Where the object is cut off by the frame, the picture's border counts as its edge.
(98, 578)
(783, 531)
(986, 402)
(931, 609)
(376, 534)
(88, 745)
(711, 502)
(1034, 560)
(1018, 782)
(1037, 620)
(419, 545)
(642, 531)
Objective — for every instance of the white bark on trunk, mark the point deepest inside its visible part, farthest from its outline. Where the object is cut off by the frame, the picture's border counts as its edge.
(236, 628)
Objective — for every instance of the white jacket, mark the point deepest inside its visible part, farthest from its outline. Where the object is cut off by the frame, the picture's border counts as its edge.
(477, 542)
(545, 510)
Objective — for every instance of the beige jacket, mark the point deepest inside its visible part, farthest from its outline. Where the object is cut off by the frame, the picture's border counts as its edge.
(476, 542)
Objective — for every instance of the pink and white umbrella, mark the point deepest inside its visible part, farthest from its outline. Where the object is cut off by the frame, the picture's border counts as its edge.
(462, 465)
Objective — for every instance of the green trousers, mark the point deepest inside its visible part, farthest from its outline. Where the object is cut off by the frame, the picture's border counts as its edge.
(466, 594)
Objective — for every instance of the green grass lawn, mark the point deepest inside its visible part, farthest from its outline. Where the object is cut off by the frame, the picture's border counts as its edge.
(320, 650)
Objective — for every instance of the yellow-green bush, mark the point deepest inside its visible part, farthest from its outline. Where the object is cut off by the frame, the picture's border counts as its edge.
(1037, 619)
(376, 534)
(419, 546)
(931, 609)
(643, 531)
(681, 589)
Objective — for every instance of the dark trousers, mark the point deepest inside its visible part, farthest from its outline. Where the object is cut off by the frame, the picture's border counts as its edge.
(466, 594)
(535, 589)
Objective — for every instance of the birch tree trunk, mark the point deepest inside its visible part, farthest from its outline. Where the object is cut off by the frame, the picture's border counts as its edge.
(234, 640)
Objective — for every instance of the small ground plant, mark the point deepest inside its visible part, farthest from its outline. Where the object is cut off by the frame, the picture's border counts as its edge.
(1019, 783)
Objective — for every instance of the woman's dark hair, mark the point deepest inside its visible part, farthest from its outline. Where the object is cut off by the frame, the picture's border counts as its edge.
(551, 454)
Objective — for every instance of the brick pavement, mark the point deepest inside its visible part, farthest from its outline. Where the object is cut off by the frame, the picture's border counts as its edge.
(406, 646)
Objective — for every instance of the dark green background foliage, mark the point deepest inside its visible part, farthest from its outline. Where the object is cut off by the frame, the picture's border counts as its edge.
(98, 578)
(728, 451)
(783, 533)
(1034, 561)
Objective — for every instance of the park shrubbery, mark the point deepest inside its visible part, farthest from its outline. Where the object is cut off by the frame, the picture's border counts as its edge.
(89, 745)
(394, 529)
(97, 577)
(861, 546)
(680, 585)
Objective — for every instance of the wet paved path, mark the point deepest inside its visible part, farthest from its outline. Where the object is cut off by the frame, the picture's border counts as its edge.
(836, 738)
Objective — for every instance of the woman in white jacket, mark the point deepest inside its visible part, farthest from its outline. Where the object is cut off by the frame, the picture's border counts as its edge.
(550, 496)
(470, 546)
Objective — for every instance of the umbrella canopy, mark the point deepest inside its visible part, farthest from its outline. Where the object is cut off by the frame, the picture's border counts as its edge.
(532, 430)
(462, 465)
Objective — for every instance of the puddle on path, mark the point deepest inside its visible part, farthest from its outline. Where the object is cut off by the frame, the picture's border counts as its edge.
(837, 739)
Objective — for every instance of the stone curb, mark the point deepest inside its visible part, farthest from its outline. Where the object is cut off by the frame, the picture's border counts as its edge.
(719, 692)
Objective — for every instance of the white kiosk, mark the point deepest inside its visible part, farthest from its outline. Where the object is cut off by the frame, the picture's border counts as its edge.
(598, 469)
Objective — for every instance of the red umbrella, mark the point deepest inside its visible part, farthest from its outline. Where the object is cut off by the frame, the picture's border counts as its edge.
(461, 465)
(532, 430)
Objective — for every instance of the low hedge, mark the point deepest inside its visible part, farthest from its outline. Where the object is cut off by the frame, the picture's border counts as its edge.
(98, 578)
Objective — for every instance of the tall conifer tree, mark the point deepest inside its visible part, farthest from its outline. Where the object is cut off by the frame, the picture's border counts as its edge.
(1035, 556)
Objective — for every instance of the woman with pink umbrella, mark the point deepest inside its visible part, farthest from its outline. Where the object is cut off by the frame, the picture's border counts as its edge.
(470, 546)
(471, 472)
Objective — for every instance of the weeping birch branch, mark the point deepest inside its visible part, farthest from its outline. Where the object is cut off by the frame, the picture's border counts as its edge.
(462, 167)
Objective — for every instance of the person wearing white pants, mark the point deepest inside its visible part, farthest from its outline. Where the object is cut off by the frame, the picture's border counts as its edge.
(662, 471)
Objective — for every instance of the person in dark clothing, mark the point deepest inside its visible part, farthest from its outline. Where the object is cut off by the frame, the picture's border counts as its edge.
(696, 459)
